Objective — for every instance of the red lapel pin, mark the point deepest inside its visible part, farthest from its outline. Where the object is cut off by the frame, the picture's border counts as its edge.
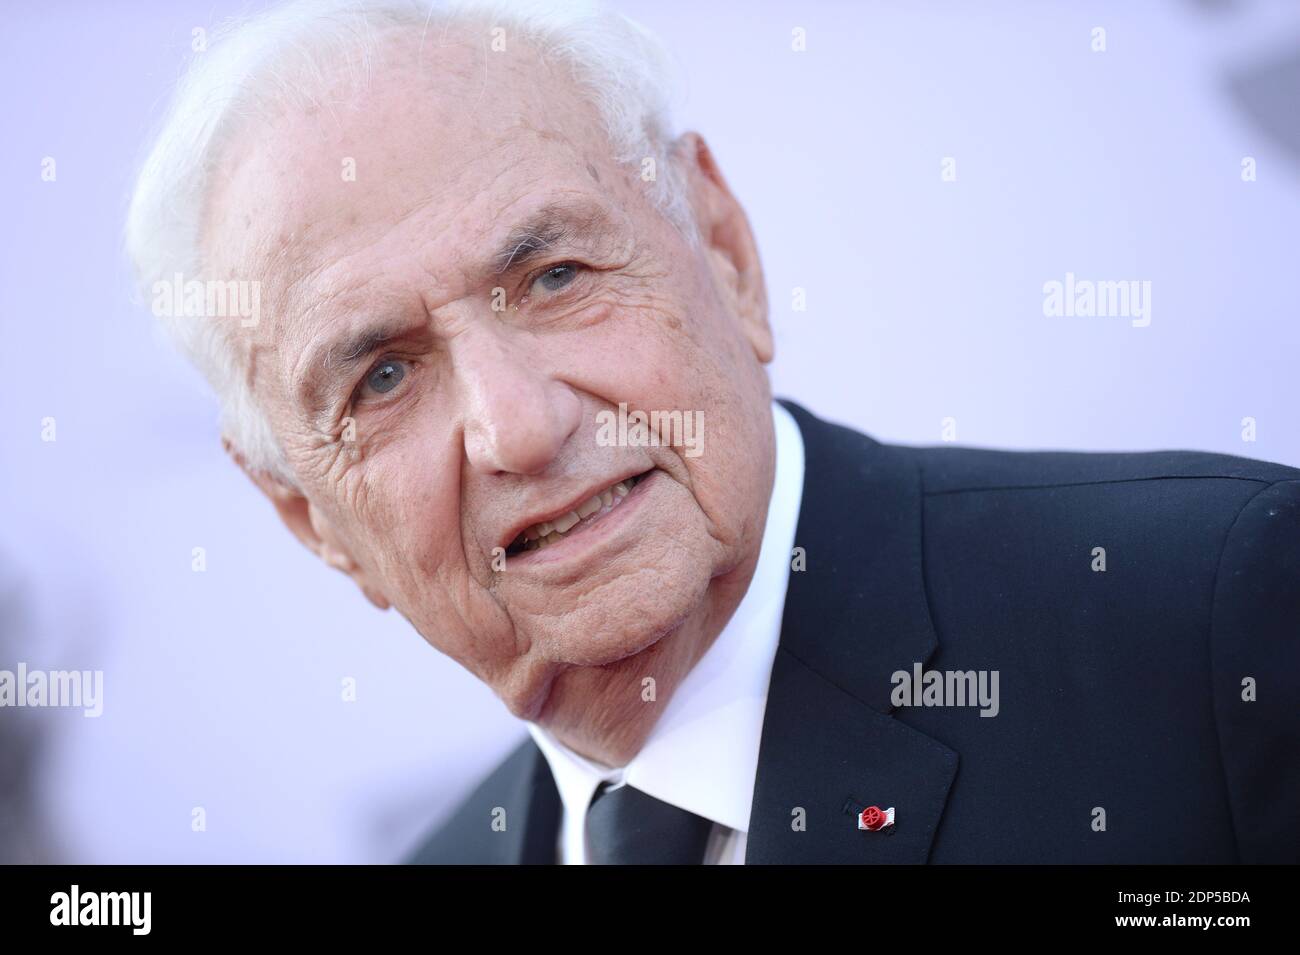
(873, 818)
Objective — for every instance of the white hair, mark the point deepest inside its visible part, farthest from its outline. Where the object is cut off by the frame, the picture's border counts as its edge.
(252, 63)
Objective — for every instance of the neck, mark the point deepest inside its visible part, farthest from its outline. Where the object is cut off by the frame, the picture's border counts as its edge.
(606, 714)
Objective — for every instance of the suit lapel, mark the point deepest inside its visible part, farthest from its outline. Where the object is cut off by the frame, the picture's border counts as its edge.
(853, 617)
(533, 792)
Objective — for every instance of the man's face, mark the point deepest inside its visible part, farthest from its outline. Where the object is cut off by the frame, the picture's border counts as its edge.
(435, 377)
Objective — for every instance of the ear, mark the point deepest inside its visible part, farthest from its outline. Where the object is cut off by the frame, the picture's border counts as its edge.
(309, 525)
(728, 241)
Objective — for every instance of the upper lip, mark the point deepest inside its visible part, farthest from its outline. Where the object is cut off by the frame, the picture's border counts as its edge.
(540, 517)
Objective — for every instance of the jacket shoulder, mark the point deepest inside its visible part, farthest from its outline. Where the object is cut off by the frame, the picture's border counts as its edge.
(1255, 652)
(466, 836)
(1205, 555)
(947, 470)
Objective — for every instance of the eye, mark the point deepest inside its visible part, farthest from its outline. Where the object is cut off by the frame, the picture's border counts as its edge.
(557, 276)
(386, 376)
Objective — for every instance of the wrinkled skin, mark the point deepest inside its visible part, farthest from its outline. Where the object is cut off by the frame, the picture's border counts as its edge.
(492, 425)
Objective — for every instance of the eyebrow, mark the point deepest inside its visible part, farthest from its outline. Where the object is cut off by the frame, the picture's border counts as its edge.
(554, 224)
(550, 226)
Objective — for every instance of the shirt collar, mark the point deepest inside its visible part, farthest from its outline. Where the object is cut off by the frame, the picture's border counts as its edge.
(702, 754)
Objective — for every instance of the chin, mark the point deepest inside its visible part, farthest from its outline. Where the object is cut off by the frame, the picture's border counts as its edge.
(603, 712)
(629, 616)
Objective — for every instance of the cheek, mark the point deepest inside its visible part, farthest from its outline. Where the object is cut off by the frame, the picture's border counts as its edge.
(706, 367)
(404, 506)
(657, 357)
(399, 500)
(408, 512)
(652, 351)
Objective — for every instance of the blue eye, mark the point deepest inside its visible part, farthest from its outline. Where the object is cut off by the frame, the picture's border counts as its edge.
(557, 277)
(386, 376)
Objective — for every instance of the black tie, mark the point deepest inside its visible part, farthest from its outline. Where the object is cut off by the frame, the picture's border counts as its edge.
(628, 827)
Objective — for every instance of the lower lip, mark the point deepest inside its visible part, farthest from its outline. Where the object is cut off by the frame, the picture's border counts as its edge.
(586, 537)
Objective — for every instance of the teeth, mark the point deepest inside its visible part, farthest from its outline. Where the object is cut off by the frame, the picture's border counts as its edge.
(548, 532)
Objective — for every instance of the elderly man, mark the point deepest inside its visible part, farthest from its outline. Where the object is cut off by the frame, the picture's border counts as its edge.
(505, 369)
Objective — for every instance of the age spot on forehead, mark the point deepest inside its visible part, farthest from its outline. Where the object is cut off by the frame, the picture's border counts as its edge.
(592, 169)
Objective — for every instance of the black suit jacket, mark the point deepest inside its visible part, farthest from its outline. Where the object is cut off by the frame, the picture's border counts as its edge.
(1119, 690)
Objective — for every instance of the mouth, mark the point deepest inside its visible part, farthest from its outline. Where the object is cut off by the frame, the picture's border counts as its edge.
(590, 511)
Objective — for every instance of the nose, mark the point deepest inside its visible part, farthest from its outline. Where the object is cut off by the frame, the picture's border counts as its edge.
(517, 417)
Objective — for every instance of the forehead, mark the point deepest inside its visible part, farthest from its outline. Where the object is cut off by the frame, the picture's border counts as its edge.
(440, 142)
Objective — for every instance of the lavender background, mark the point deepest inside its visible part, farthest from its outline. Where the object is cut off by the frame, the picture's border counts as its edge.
(222, 689)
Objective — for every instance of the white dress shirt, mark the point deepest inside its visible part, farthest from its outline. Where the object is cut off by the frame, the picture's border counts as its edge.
(702, 754)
